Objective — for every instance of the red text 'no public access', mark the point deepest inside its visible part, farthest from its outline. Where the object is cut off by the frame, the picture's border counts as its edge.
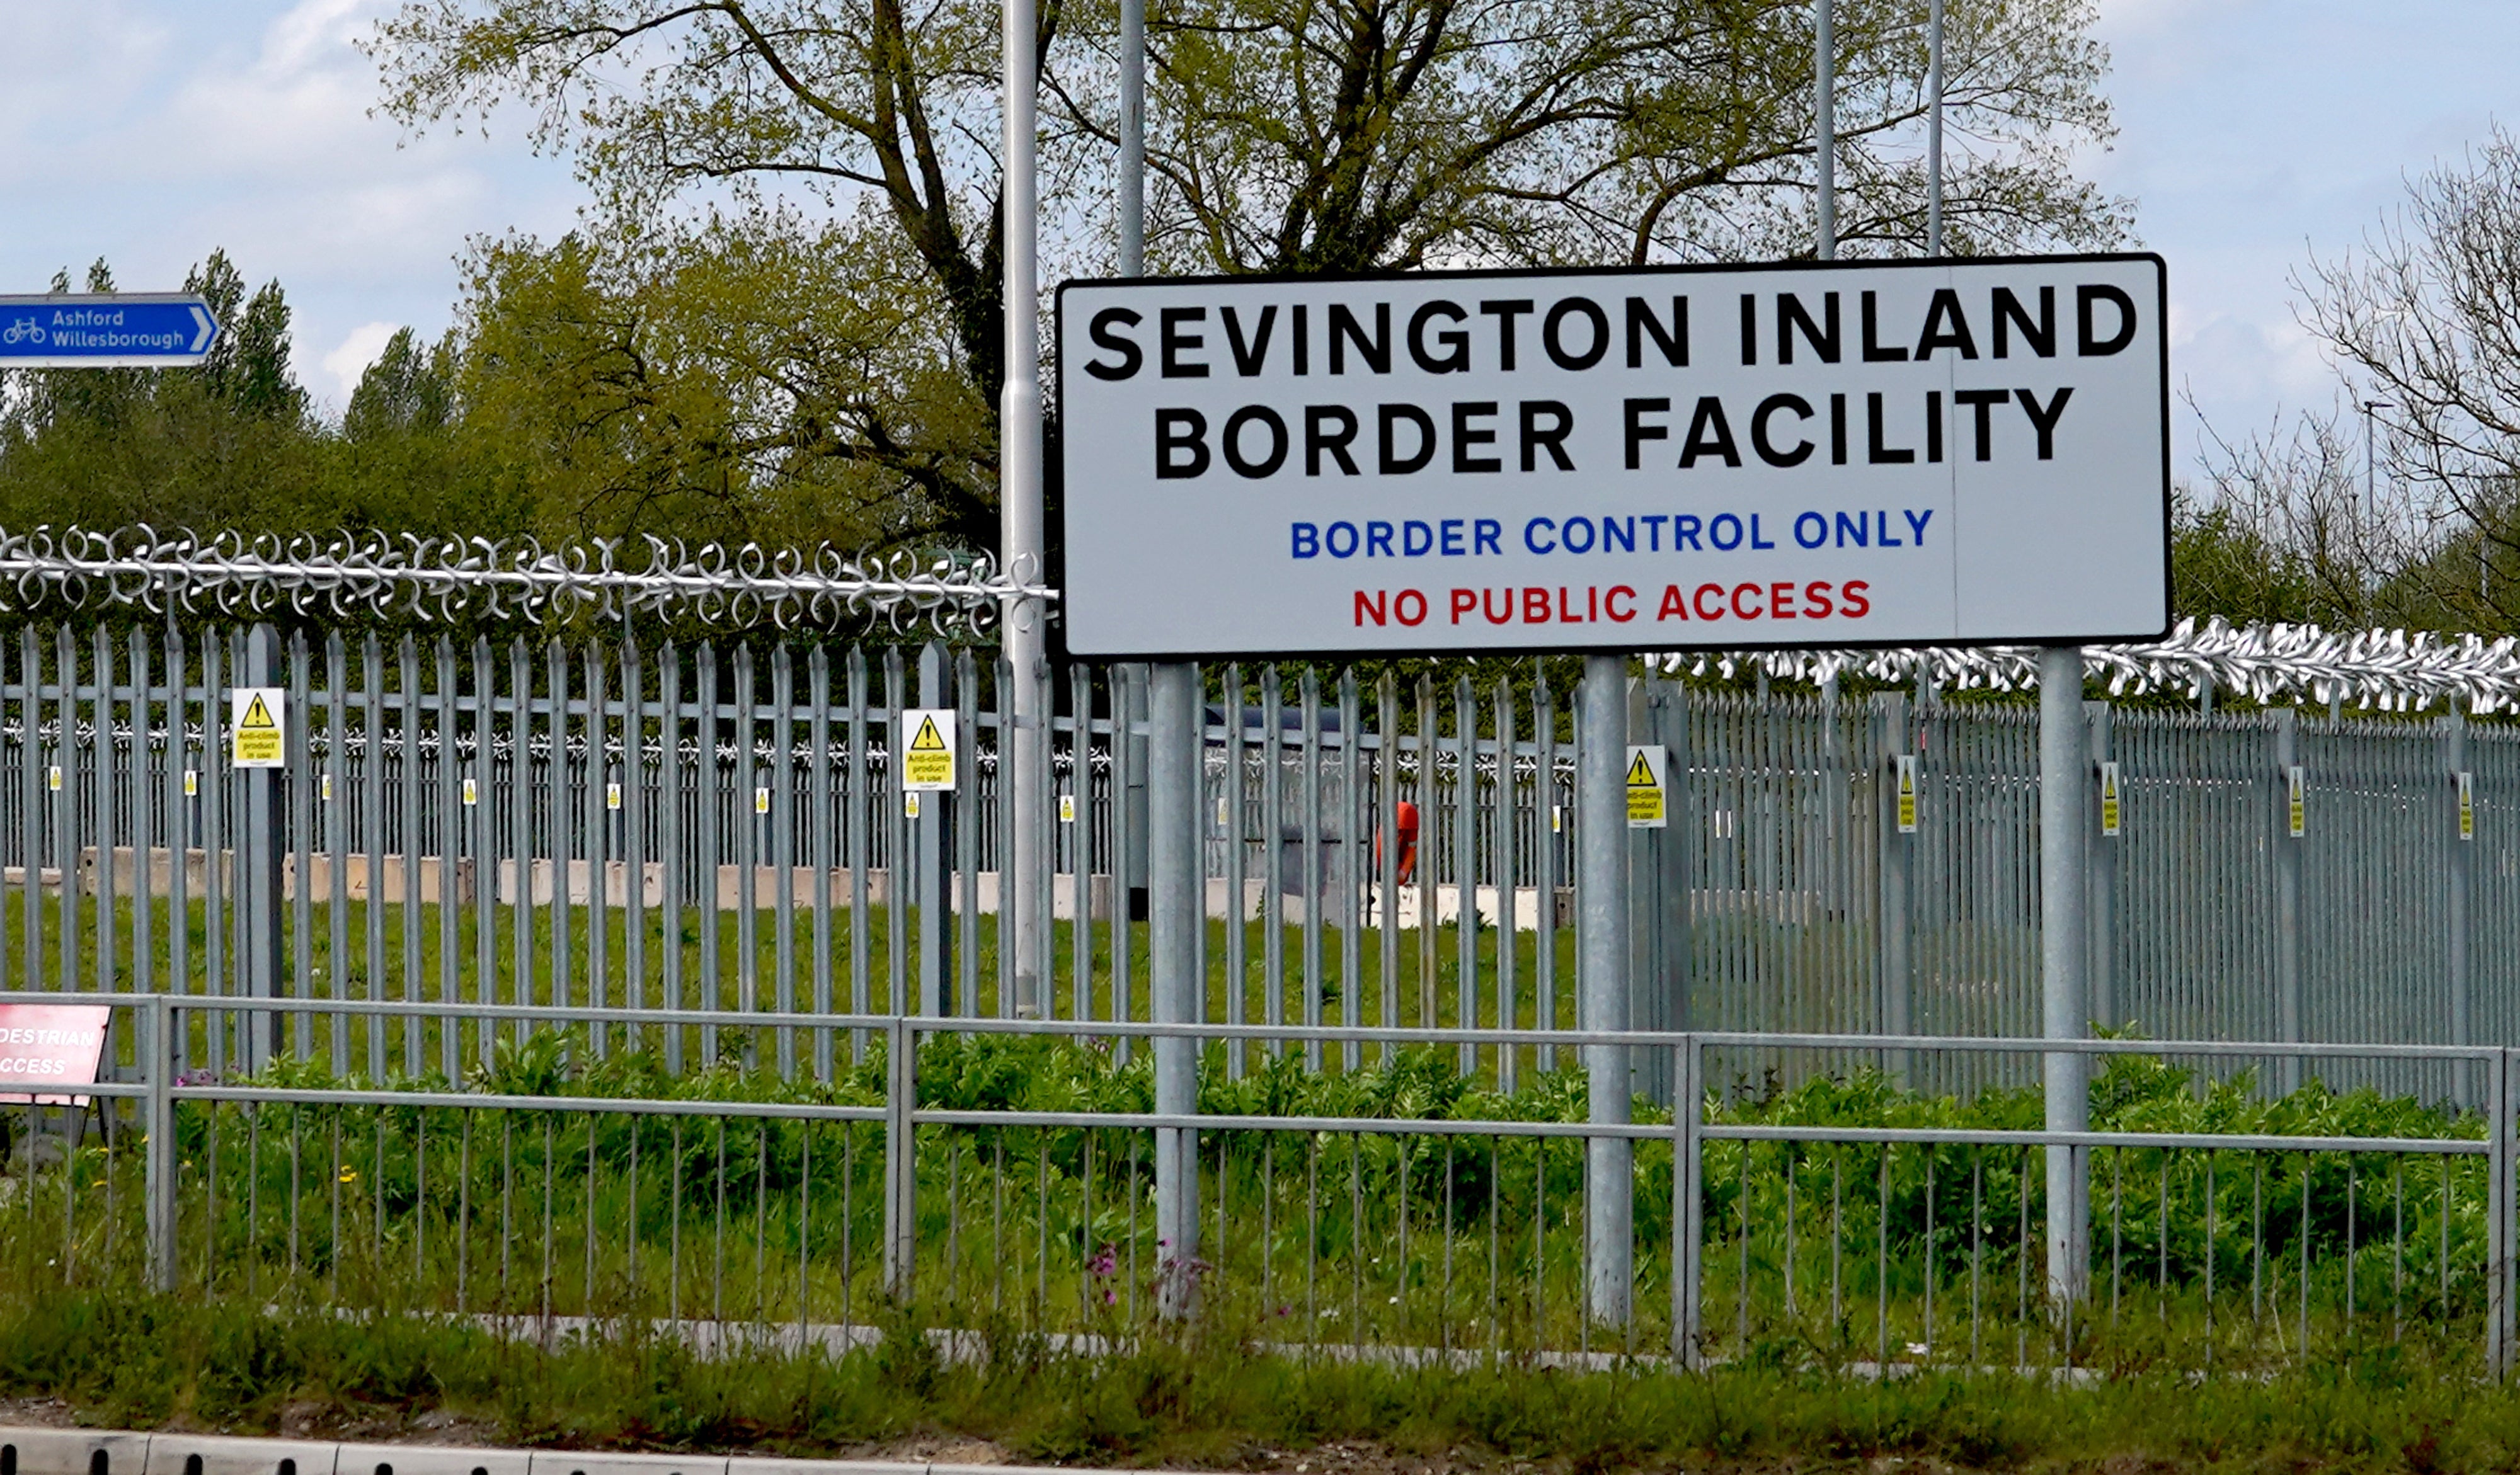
(1616, 603)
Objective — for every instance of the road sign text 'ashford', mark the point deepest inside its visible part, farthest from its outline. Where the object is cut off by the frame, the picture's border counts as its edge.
(1841, 454)
(106, 330)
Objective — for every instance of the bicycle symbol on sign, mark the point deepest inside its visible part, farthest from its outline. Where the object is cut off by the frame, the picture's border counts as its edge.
(23, 331)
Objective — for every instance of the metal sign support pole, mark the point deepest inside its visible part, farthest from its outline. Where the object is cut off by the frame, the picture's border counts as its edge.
(1176, 910)
(2064, 952)
(1174, 914)
(1601, 956)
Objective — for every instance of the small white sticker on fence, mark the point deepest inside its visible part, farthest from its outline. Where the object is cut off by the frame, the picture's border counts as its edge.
(1646, 809)
(910, 803)
(471, 792)
(2112, 806)
(258, 728)
(929, 741)
(327, 789)
(760, 802)
(54, 779)
(613, 795)
(191, 784)
(1066, 809)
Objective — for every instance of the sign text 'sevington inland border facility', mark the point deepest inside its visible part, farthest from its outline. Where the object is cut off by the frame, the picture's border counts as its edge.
(1885, 453)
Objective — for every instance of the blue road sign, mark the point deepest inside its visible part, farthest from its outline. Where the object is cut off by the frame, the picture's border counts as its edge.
(106, 330)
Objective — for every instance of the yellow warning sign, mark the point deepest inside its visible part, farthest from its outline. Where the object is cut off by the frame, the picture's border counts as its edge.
(2297, 815)
(2466, 805)
(1647, 805)
(2112, 811)
(930, 738)
(1906, 793)
(257, 728)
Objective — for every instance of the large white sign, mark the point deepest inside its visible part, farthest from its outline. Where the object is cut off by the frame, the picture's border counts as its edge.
(1880, 452)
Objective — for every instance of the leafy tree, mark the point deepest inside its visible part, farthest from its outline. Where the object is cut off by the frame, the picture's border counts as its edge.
(230, 444)
(2425, 317)
(406, 389)
(1326, 134)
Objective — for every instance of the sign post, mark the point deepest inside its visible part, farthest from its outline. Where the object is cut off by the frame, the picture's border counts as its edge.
(1933, 452)
(1857, 454)
(106, 330)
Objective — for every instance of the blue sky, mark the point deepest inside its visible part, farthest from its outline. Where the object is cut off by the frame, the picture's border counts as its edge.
(2252, 134)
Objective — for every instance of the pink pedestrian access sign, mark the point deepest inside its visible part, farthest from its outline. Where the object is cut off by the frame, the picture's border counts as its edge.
(51, 1045)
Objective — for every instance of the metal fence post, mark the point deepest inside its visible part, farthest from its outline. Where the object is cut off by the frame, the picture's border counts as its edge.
(1174, 916)
(1659, 883)
(1602, 952)
(2287, 939)
(900, 1158)
(2497, 1225)
(258, 888)
(160, 1168)
(934, 865)
(1687, 1206)
(1898, 973)
(2065, 780)
(2457, 841)
(2102, 861)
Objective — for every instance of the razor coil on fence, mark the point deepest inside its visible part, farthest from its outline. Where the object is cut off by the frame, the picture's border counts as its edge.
(442, 579)
(2389, 670)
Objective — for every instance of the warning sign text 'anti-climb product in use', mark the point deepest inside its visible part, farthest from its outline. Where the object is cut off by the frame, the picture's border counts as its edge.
(258, 727)
(930, 742)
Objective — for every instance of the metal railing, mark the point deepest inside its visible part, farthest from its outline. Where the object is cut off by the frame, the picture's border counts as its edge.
(1011, 1178)
(719, 827)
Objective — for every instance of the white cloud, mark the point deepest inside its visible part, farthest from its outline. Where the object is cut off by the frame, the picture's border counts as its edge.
(150, 132)
(364, 346)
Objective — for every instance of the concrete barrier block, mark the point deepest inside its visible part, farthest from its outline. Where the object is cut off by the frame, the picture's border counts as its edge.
(430, 1460)
(747, 1464)
(72, 1451)
(565, 1463)
(217, 1454)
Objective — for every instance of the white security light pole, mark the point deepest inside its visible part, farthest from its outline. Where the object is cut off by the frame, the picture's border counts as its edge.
(1934, 128)
(1825, 112)
(1019, 518)
(2370, 485)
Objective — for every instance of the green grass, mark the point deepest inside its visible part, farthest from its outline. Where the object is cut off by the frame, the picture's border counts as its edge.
(1207, 1396)
(1814, 1256)
(344, 962)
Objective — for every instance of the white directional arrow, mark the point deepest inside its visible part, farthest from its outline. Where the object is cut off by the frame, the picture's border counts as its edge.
(209, 328)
